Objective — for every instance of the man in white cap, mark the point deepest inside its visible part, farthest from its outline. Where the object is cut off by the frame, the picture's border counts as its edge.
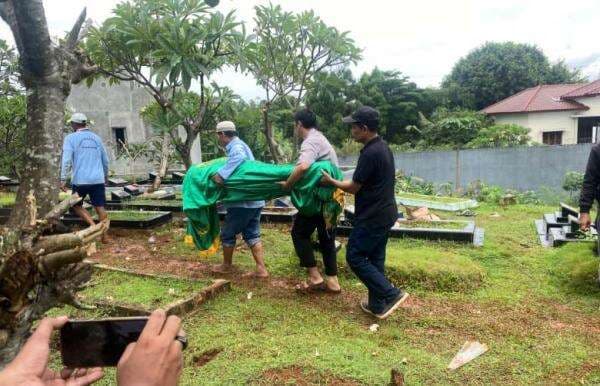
(242, 217)
(85, 156)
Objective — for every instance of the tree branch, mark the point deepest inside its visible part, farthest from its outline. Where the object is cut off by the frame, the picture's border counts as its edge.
(73, 37)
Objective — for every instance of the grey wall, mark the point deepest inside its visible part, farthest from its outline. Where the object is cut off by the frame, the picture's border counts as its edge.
(522, 168)
(114, 106)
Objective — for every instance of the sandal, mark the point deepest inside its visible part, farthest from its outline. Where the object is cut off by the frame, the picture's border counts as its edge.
(311, 288)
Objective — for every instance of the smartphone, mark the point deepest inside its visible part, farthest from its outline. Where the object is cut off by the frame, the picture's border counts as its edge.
(98, 343)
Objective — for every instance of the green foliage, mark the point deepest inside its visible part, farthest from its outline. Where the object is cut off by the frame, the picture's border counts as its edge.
(496, 71)
(500, 135)
(573, 182)
(454, 129)
(412, 184)
(398, 100)
(494, 194)
(13, 142)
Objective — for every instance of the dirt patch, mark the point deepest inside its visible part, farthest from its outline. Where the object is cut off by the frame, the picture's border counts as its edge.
(302, 377)
(205, 357)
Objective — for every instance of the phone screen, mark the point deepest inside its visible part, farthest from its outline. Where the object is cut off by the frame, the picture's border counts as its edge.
(98, 343)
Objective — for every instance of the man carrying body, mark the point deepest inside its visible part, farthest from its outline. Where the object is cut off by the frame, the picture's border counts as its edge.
(590, 188)
(376, 212)
(242, 217)
(315, 147)
(84, 154)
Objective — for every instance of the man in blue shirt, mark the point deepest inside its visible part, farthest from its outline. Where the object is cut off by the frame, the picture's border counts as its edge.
(84, 155)
(242, 217)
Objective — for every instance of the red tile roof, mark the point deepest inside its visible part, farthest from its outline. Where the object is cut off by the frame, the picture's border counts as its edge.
(540, 98)
(589, 90)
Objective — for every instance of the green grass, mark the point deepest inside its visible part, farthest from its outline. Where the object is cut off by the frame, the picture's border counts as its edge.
(445, 200)
(537, 309)
(7, 199)
(148, 292)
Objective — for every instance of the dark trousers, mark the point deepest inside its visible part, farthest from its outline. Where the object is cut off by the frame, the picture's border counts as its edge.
(365, 254)
(302, 230)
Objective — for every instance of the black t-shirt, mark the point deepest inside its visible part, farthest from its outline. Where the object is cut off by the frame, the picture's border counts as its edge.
(375, 202)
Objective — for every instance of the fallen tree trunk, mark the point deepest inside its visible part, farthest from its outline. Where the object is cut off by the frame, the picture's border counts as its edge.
(40, 270)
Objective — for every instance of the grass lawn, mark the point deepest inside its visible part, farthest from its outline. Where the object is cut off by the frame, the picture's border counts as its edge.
(150, 293)
(7, 199)
(444, 200)
(537, 309)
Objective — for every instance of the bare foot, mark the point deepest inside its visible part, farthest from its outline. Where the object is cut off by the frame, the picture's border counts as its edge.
(256, 275)
(221, 268)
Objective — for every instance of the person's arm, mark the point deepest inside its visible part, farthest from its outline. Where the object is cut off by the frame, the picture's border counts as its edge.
(589, 188)
(67, 161)
(348, 186)
(104, 160)
(30, 366)
(308, 156)
(234, 159)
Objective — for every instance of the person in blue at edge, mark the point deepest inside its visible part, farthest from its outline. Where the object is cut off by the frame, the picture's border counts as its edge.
(242, 217)
(85, 156)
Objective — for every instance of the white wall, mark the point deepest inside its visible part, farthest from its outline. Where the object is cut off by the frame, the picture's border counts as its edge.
(542, 122)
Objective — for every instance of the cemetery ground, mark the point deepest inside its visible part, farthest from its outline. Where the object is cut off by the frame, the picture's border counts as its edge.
(537, 309)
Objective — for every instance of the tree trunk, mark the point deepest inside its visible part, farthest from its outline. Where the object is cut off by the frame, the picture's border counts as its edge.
(268, 131)
(45, 111)
(164, 161)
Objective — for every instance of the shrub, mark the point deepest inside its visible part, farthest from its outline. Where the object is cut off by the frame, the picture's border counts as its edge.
(573, 182)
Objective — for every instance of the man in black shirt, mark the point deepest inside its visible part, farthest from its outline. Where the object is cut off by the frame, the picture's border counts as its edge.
(590, 188)
(375, 213)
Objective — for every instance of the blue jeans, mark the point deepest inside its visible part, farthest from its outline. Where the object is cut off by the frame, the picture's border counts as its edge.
(365, 254)
(241, 220)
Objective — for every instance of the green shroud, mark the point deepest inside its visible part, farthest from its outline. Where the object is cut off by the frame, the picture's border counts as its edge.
(252, 180)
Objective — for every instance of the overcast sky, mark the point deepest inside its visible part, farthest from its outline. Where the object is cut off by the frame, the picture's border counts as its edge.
(422, 39)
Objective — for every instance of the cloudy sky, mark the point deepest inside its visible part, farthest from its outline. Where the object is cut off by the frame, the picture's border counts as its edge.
(423, 39)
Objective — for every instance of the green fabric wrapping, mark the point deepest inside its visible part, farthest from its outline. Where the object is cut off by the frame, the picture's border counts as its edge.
(253, 180)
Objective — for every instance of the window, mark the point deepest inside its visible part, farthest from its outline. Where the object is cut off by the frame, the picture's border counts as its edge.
(119, 137)
(552, 138)
(585, 129)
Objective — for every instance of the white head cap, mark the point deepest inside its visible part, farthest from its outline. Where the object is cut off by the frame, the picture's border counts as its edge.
(78, 118)
(225, 126)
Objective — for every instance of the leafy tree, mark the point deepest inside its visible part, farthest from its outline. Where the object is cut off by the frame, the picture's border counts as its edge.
(501, 135)
(329, 99)
(164, 45)
(496, 71)
(13, 122)
(284, 55)
(452, 129)
(398, 100)
(573, 182)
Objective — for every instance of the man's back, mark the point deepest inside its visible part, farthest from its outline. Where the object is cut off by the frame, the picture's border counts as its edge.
(316, 147)
(375, 171)
(84, 152)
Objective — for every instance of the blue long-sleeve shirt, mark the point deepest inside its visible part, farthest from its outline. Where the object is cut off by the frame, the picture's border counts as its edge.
(84, 155)
(237, 152)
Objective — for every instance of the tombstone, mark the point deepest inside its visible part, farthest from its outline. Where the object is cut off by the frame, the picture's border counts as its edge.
(4, 179)
(133, 190)
(152, 176)
(165, 196)
(116, 182)
(178, 176)
(119, 195)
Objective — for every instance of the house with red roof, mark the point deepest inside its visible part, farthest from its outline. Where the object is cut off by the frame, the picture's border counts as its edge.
(556, 114)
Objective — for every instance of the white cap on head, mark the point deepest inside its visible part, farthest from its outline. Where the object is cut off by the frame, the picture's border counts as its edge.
(225, 126)
(78, 118)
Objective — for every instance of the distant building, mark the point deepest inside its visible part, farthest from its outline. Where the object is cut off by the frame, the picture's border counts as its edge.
(114, 114)
(556, 114)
